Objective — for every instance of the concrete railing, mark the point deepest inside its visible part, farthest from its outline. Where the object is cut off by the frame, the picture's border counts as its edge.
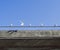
(29, 33)
(20, 39)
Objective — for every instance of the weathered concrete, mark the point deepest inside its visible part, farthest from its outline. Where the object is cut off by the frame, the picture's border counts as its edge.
(30, 33)
(30, 39)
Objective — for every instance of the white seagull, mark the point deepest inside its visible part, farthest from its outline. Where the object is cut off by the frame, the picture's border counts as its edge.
(42, 24)
(11, 24)
(22, 23)
(29, 24)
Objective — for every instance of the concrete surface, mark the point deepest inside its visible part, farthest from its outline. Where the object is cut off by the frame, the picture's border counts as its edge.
(33, 39)
(30, 33)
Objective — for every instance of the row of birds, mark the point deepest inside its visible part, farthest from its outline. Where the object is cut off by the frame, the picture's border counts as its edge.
(22, 24)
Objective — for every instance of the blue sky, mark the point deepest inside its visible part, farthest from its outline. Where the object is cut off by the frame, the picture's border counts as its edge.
(33, 12)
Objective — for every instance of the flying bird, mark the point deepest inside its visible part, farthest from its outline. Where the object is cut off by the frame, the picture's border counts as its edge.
(42, 24)
(29, 24)
(22, 23)
(11, 24)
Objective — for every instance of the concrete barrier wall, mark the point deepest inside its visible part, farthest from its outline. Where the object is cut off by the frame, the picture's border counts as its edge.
(9, 41)
(30, 33)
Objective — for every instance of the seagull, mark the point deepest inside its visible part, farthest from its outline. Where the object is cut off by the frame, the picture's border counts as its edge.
(22, 23)
(29, 24)
(42, 24)
(11, 24)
